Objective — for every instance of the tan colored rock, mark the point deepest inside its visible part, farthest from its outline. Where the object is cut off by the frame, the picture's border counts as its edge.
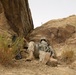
(1, 10)
(70, 29)
(56, 31)
(15, 16)
(73, 65)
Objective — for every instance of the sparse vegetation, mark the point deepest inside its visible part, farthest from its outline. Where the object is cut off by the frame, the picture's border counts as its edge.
(7, 53)
(18, 44)
(67, 56)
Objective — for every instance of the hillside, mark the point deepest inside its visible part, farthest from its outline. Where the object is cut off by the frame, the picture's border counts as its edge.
(60, 33)
(15, 18)
(52, 28)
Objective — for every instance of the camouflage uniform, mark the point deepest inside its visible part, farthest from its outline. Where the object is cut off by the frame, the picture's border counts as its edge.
(44, 46)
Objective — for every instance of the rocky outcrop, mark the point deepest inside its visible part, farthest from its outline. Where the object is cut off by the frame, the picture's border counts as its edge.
(15, 17)
(56, 31)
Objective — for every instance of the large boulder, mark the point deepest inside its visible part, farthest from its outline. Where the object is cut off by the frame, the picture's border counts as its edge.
(15, 17)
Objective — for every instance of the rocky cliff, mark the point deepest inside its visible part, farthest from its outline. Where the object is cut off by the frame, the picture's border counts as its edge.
(15, 17)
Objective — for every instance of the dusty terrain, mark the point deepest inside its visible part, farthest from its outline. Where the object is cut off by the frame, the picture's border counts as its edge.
(15, 18)
(36, 68)
(55, 38)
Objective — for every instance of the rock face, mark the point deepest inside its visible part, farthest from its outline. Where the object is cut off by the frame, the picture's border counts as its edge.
(61, 34)
(56, 31)
(15, 17)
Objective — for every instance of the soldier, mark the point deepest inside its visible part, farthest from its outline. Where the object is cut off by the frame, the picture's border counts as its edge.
(44, 46)
(45, 51)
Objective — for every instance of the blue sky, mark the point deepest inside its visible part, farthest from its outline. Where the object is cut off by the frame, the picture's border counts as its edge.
(45, 10)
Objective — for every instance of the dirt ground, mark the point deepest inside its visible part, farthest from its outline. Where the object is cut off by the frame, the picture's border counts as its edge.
(36, 68)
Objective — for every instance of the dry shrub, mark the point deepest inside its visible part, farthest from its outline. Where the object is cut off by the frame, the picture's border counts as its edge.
(8, 53)
(18, 45)
(5, 52)
(6, 57)
(67, 56)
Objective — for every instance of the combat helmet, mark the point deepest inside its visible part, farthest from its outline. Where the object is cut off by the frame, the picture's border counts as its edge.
(43, 38)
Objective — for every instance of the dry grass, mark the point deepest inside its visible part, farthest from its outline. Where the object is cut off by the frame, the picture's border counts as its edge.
(8, 53)
(18, 44)
(5, 52)
(67, 55)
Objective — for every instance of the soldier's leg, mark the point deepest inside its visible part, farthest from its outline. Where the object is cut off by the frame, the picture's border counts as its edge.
(41, 55)
(31, 56)
(44, 57)
(31, 49)
(47, 58)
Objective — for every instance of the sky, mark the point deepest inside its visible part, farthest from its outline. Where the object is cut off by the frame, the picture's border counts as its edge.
(45, 10)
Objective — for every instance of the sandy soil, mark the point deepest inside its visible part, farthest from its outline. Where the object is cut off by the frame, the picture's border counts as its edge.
(36, 68)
